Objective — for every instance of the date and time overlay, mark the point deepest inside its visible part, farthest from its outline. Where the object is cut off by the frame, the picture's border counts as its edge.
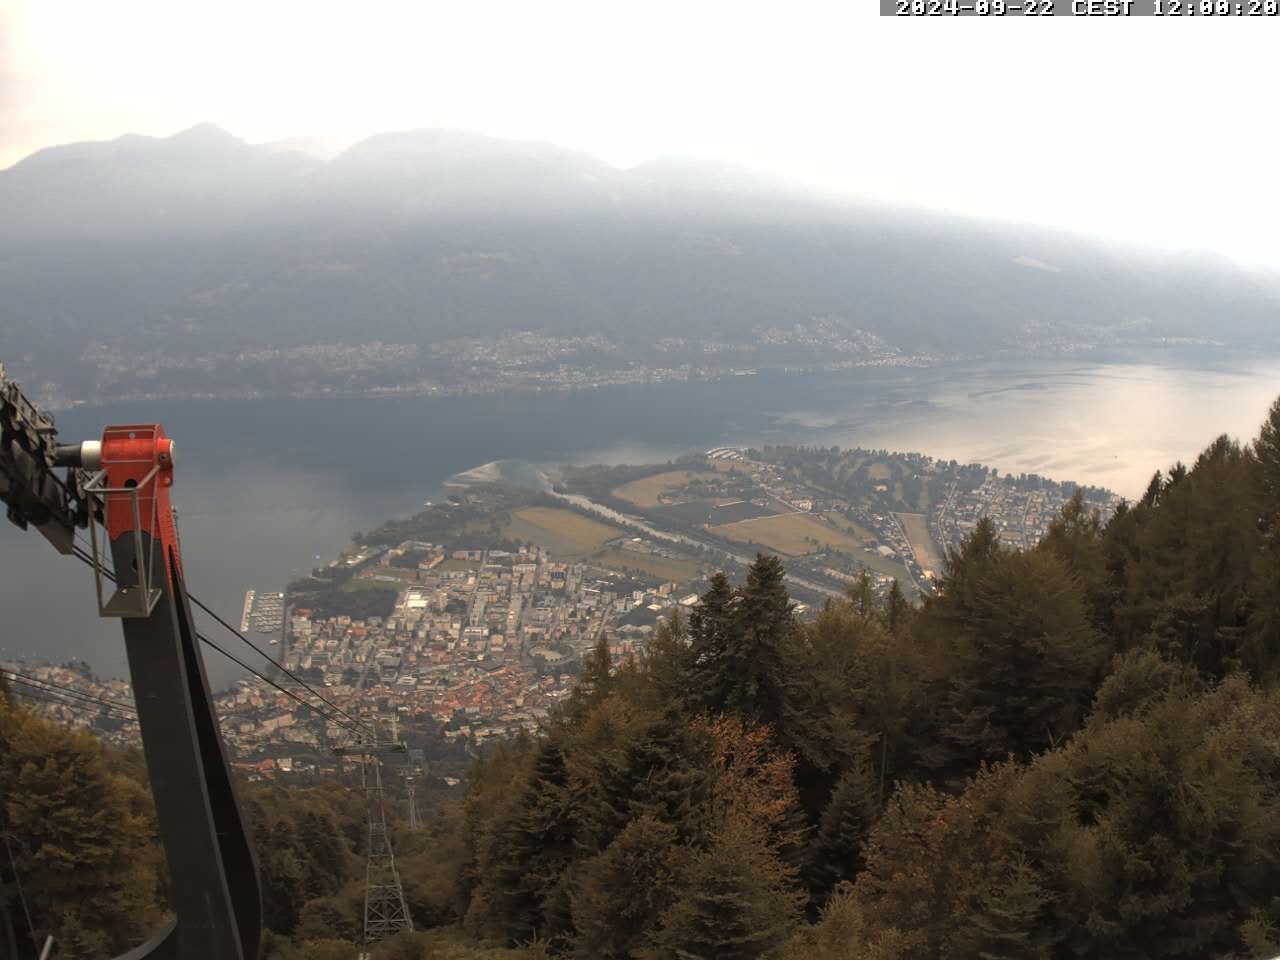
(1079, 8)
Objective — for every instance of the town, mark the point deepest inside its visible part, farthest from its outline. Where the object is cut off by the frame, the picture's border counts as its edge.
(460, 625)
(480, 644)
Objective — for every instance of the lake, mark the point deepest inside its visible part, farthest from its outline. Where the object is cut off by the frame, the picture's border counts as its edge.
(265, 488)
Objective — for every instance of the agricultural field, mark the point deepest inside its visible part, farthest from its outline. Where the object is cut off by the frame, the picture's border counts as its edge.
(927, 552)
(850, 526)
(663, 568)
(565, 534)
(733, 511)
(692, 512)
(644, 492)
(792, 534)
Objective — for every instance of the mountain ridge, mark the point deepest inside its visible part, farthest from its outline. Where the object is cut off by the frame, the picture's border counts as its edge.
(423, 237)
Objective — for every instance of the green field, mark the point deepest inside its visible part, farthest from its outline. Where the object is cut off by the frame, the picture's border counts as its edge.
(645, 491)
(451, 565)
(664, 568)
(567, 535)
(847, 525)
(787, 534)
(353, 585)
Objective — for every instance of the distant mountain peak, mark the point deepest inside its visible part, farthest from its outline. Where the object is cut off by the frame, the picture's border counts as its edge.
(205, 134)
(461, 144)
(203, 140)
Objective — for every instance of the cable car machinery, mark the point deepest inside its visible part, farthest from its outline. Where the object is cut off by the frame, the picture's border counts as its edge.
(118, 487)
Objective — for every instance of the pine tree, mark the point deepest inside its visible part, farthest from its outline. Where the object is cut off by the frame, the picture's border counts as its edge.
(754, 669)
(649, 766)
(523, 855)
(1266, 449)
(734, 901)
(1024, 664)
(1187, 581)
(1075, 537)
(836, 852)
(1006, 922)
(897, 610)
(667, 664)
(863, 598)
(595, 681)
(622, 892)
(1262, 644)
(710, 629)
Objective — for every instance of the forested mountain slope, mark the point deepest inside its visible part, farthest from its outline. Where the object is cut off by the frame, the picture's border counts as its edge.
(190, 259)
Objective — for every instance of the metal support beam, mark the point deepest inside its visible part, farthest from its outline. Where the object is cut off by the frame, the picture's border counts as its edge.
(213, 876)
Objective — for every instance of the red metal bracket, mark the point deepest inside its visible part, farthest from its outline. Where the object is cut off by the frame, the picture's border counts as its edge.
(133, 484)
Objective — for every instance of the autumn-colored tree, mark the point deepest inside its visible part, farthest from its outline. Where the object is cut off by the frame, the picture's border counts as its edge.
(81, 835)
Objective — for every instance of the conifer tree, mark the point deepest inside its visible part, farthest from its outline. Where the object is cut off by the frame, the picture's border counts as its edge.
(735, 901)
(1006, 921)
(595, 681)
(710, 629)
(1075, 537)
(836, 852)
(667, 663)
(862, 596)
(1187, 583)
(622, 892)
(1024, 665)
(1267, 451)
(649, 765)
(897, 611)
(753, 670)
(523, 855)
(1262, 644)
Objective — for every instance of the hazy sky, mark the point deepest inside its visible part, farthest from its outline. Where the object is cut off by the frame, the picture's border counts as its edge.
(1140, 129)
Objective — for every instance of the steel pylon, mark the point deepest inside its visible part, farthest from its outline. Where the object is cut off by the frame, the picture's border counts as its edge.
(385, 910)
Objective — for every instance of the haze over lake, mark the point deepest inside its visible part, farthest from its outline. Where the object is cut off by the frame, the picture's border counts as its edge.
(263, 488)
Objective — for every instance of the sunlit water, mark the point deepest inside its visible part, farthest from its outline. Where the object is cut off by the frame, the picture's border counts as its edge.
(263, 489)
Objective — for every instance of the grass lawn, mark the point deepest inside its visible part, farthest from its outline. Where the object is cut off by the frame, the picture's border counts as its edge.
(352, 585)
(847, 525)
(566, 534)
(645, 491)
(886, 565)
(664, 568)
(786, 534)
(927, 552)
(450, 565)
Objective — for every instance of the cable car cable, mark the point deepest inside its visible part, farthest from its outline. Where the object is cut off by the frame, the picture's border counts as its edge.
(85, 701)
(275, 663)
(88, 560)
(85, 557)
(63, 686)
